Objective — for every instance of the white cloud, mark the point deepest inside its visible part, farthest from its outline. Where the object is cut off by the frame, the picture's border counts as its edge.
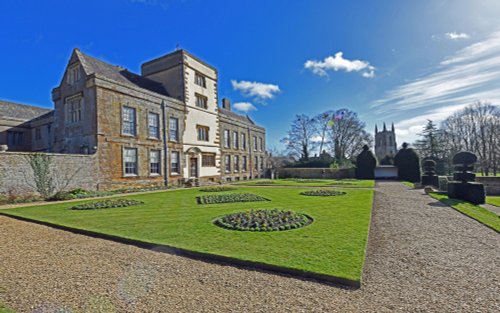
(244, 106)
(316, 138)
(338, 63)
(473, 73)
(259, 91)
(457, 36)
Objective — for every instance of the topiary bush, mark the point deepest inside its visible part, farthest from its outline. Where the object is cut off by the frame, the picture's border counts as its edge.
(106, 204)
(323, 193)
(217, 189)
(263, 220)
(464, 187)
(408, 163)
(429, 178)
(365, 164)
(230, 198)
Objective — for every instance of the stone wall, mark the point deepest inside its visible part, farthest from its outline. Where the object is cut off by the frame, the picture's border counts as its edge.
(318, 173)
(491, 185)
(69, 172)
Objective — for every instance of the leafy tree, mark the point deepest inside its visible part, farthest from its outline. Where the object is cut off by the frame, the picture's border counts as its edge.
(431, 143)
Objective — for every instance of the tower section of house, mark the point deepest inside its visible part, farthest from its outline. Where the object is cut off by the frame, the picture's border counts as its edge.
(193, 82)
(385, 142)
(243, 145)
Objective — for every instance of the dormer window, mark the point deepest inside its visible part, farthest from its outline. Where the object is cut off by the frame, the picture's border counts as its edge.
(73, 74)
(199, 80)
(74, 109)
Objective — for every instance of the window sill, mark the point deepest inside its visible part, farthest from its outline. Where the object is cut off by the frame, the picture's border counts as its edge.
(130, 175)
(129, 136)
(154, 138)
(173, 141)
(154, 175)
(175, 174)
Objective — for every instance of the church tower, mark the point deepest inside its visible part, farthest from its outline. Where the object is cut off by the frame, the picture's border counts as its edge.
(385, 142)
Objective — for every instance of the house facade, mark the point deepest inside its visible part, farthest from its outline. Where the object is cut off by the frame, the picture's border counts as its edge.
(163, 127)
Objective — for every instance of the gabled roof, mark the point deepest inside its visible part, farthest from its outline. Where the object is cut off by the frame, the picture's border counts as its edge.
(230, 114)
(20, 111)
(119, 74)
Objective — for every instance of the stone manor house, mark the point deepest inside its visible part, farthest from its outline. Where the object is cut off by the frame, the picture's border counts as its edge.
(161, 127)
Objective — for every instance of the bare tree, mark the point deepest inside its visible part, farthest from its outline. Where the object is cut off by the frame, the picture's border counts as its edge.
(476, 128)
(347, 135)
(299, 141)
(322, 123)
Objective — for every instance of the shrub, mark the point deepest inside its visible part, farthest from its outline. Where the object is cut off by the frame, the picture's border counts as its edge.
(365, 164)
(217, 189)
(408, 164)
(323, 193)
(229, 198)
(263, 220)
(78, 193)
(106, 204)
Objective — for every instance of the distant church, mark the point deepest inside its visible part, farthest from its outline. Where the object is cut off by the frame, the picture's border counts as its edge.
(385, 142)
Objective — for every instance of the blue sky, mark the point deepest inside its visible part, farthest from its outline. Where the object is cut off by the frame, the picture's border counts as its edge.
(393, 61)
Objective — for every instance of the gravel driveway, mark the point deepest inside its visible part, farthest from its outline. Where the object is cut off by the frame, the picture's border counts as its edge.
(422, 257)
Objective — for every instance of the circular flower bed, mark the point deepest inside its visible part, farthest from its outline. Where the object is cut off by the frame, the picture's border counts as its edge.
(323, 193)
(229, 198)
(263, 220)
(217, 189)
(106, 204)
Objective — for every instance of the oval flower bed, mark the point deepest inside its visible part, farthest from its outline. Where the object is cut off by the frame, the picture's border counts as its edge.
(263, 220)
(217, 189)
(106, 204)
(323, 193)
(230, 198)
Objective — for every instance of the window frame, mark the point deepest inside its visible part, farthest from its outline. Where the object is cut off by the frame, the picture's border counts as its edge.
(134, 122)
(158, 163)
(236, 162)
(255, 143)
(244, 163)
(136, 166)
(236, 140)
(206, 129)
(243, 141)
(204, 161)
(203, 99)
(227, 163)
(176, 131)
(175, 171)
(227, 138)
(200, 79)
(150, 126)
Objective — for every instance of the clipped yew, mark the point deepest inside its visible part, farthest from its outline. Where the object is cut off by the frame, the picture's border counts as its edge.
(408, 163)
(463, 186)
(365, 164)
(430, 178)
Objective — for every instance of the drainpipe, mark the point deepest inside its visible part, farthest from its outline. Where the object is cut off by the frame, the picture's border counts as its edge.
(165, 147)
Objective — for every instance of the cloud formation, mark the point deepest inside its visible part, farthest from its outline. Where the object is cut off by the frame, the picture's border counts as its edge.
(339, 63)
(471, 74)
(244, 106)
(456, 36)
(259, 91)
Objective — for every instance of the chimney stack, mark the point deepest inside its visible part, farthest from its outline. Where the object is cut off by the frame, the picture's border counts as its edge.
(226, 104)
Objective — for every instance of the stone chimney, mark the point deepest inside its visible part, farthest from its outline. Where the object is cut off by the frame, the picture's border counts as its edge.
(226, 104)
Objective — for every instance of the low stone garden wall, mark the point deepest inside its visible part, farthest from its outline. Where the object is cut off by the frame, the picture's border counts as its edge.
(318, 173)
(491, 185)
(68, 171)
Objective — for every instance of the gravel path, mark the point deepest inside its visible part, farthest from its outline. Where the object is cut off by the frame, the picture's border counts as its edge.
(422, 257)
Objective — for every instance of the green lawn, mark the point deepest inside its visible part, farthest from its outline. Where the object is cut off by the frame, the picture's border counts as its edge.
(493, 201)
(476, 212)
(5, 309)
(347, 183)
(334, 244)
(408, 184)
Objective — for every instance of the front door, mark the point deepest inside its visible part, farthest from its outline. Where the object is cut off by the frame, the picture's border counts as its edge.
(193, 167)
